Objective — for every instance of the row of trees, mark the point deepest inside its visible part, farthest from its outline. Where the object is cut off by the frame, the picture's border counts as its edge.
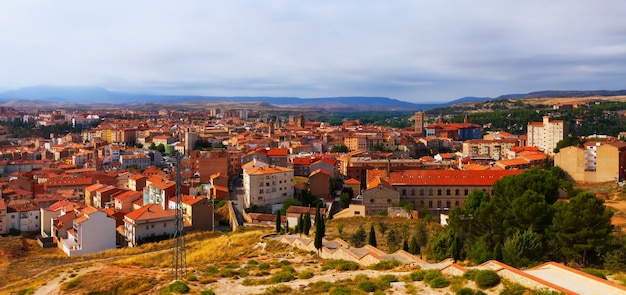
(524, 223)
(304, 225)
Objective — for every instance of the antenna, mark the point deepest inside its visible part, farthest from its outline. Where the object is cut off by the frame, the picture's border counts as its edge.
(179, 261)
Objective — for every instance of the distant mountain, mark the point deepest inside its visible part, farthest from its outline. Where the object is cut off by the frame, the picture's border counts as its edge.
(40, 95)
(565, 93)
(468, 99)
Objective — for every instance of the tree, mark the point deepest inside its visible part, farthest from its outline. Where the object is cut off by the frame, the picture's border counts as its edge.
(152, 146)
(405, 245)
(372, 239)
(288, 203)
(568, 141)
(382, 227)
(393, 239)
(278, 220)
(414, 247)
(522, 248)
(445, 244)
(421, 234)
(344, 200)
(300, 224)
(582, 228)
(339, 148)
(319, 230)
(358, 237)
(139, 145)
(161, 148)
(306, 227)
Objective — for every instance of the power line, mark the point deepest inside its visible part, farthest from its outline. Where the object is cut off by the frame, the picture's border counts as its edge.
(179, 260)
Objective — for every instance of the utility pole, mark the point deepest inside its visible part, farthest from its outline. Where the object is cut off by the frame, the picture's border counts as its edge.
(179, 260)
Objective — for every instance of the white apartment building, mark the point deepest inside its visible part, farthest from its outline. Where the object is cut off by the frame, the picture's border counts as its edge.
(546, 134)
(267, 185)
(148, 221)
(23, 217)
(142, 161)
(93, 231)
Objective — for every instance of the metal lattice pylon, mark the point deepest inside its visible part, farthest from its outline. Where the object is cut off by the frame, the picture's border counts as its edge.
(179, 260)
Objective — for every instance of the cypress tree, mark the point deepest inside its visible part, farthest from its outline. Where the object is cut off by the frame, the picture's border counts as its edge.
(319, 230)
(372, 240)
(405, 245)
(306, 223)
(278, 225)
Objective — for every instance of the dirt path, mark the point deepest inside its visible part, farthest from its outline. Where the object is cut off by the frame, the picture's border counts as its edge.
(53, 287)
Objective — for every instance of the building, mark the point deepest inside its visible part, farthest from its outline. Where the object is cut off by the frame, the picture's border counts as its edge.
(418, 118)
(606, 162)
(148, 221)
(379, 195)
(267, 185)
(439, 190)
(197, 211)
(455, 131)
(3, 217)
(546, 134)
(124, 201)
(191, 137)
(140, 161)
(93, 231)
(319, 183)
(23, 218)
(495, 148)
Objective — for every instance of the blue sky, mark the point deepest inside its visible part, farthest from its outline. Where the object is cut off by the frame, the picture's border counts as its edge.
(419, 51)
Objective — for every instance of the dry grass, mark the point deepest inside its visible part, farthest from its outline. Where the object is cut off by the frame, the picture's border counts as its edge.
(616, 199)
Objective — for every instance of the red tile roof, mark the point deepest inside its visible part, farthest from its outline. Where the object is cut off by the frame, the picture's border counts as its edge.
(443, 177)
(150, 211)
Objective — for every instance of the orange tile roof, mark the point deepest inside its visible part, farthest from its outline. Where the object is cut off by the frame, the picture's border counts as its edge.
(352, 181)
(129, 195)
(150, 211)
(443, 177)
(376, 181)
(267, 170)
(514, 162)
(277, 152)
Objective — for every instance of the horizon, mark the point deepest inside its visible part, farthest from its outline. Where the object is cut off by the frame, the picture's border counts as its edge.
(419, 52)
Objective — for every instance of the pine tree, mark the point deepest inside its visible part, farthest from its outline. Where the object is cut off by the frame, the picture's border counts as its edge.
(372, 240)
(414, 247)
(278, 225)
(319, 230)
(358, 238)
(405, 245)
(306, 224)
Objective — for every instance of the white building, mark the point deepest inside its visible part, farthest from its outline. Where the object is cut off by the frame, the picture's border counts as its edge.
(546, 134)
(93, 231)
(148, 221)
(140, 160)
(267, 185)
(23, 217)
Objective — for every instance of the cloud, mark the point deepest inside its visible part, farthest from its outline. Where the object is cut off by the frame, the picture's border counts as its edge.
(411, 50)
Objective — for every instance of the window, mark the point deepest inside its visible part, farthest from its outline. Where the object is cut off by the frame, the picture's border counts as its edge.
(152, 226)
(412, 192)
(456, 203)
(430, 204)
(371, 200)
(267, 184)
(456, 191)
(438, 204)
(430, 192)
(439, 192)
(260, 191)
(421, 191)
(466, 192)
(404, 192)
(447, 204)
(147, 227)
(447, 192)
(164, 224)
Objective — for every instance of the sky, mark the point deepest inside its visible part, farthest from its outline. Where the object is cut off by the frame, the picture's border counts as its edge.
(417, 51)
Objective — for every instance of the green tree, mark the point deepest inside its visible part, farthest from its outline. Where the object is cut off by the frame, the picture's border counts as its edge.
(372, 238)
(344, 200)
(139, 145)
(161, 148)
(152, 146)
(382, 227)
(405, 245)
(445, 244)
(582, 228)
(568, 141)
(339, 148)
(421, 234)
(393, 240)
(522, 248)
(414, 247)
(358, 237)
(306, 227)
(300, 224)
(319, 230)
(278, 221)
(288, 203)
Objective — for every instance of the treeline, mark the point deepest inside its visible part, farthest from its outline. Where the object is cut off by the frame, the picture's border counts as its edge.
(524, 223)
(397, 119)
(20, 129)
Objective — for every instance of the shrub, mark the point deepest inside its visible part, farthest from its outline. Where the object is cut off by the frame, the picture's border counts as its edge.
(487, 279)
(252, 262)
(278, 289)
(595, 272)
(341, 265)
(465, 291)
(513, 289)
(367, 286)
(385, 264)
(192, 278)
(212, 270)
(470, 274)
(179, 287)
(72, 275)
(282, 276)
(306, 274)
(431, 274)
(264, 266)
(340, 291)
(417, 275)
(207, 292)
(439, 282)
(319, 287)
(73, 283)
(26, 291)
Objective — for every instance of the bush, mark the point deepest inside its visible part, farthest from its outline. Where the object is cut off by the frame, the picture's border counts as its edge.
(279, 289)
(212, 270)
(470, 274)
(595, 272)
(439, 282)
(417, 275)
(465, 291)
(192, 278)
(487, 279)
(179, 287)
(207, 292)
(252, 262)
(305, 274)
(264, 266)
(513, 289)
(341, 265)
(282, 276)
(367, 286)
(385, 264)
(431, 274)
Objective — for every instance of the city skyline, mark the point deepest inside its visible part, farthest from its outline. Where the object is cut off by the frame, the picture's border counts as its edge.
(427, 51)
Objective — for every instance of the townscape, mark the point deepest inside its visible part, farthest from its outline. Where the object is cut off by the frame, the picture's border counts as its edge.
(114, 182)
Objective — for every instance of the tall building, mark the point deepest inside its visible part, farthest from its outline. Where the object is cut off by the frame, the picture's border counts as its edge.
(419, 122)
(546, 134)
(191, 137)
(267, 185)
